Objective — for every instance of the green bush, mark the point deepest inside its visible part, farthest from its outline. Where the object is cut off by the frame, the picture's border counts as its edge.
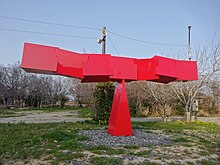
(103, 94)
(132, 106)
(179, 110)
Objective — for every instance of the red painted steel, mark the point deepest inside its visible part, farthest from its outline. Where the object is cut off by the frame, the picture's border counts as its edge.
(120, 121)
(39, 59)
(103, 68)
(70, 63)
(123, 69)
(146, 69)
(97, 68)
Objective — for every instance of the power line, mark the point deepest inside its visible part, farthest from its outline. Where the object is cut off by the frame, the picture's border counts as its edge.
(49, 34)
(50, 23)
(144, 41)
(113, 44)
(84, 27)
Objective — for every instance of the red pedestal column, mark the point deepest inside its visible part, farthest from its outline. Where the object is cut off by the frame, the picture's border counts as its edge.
(120, 121)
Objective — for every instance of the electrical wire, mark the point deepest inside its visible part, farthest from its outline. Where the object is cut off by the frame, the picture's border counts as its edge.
(49, 23)
(83, 27)
(144, 41)
(113, 44)
(49, 34)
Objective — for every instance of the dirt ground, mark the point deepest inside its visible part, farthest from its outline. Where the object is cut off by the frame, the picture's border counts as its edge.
(43, 117)
(151, 119)
(72, 116)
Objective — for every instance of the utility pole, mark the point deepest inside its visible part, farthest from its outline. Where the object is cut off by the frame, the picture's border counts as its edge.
(189, 47)
(104, 33)
(189, 109)
(103, 40)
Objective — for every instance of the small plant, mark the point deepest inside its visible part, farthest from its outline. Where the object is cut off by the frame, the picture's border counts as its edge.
(131, 147)
(85, 112)
(182, 140)
(105, 161)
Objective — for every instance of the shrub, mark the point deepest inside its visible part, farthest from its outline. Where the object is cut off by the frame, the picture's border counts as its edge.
(103, 95)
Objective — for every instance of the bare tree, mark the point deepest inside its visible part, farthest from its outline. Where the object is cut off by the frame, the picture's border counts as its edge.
(14, 84)
(61, 90)
(38, 89)
(2, 86)
(160, 97)
(138, 99)
(83, 92)
(18, 87)
(214, 87)
(208, 59)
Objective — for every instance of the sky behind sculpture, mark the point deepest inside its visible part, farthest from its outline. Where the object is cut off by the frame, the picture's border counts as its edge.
(151, 23)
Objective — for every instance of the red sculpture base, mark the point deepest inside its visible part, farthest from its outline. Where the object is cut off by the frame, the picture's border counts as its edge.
(120, 121)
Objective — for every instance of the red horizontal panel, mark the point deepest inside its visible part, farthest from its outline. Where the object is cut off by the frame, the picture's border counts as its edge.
(146, 69)
(71, 59)
(39, 58)
(165, 67)
(97, 65)
(123, 68)
(69, 71)
(187, 70)
(104, 67)
(71, 63)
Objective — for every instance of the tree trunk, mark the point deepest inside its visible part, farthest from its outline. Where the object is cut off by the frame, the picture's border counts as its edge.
(188, 112)
(188, 117)
(40, 104)
(193, 118)
(164, 114)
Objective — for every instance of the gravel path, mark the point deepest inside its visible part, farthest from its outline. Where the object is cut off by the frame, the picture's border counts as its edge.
(139, 138)
(152, 119)
(43, 117)
(72, 116)
(159, 119)
(210, 119)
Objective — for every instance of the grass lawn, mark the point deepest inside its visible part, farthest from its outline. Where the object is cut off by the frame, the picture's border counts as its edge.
(57, 143)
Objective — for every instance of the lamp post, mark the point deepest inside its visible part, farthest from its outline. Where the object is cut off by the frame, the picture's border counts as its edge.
(189, 47)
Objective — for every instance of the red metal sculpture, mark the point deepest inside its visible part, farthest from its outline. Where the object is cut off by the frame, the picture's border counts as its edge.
(103, 68)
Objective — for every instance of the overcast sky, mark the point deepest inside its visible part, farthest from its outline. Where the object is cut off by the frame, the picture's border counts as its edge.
(160, 21)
